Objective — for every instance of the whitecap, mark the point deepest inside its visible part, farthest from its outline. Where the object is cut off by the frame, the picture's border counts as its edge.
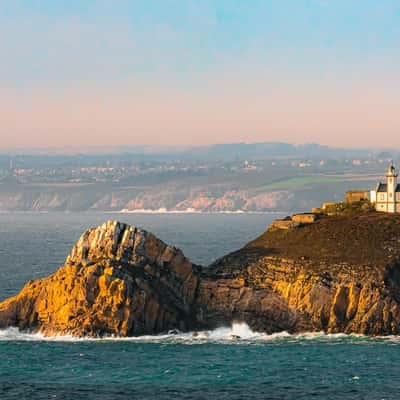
(237, 333)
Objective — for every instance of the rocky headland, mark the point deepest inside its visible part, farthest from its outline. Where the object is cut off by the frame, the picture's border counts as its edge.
(337, 273)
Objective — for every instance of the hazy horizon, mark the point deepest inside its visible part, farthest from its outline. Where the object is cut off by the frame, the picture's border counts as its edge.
(167, 149)
(193, 73)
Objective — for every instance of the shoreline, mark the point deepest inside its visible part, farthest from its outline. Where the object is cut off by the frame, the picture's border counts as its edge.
(152, 212)
(235, 333)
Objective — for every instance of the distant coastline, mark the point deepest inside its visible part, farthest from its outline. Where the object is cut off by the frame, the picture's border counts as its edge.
(189, 211)
(148, 211)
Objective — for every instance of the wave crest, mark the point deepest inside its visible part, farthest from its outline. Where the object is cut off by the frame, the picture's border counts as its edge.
(237, 333)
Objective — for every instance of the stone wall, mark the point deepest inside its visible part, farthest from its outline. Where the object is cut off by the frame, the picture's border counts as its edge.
(307, 218)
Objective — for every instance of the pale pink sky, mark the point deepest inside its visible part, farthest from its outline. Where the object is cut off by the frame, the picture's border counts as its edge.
(341, 114)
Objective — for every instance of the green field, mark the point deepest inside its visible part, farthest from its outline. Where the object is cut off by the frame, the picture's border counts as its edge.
(302, 181)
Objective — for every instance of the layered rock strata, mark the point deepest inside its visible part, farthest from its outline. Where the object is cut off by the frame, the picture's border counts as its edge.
(337, 274)
(118, 280)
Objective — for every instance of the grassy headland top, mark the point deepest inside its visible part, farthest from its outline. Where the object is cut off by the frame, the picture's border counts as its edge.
(361, 238)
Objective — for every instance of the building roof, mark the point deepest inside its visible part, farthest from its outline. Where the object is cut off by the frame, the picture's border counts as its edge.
(382, 188)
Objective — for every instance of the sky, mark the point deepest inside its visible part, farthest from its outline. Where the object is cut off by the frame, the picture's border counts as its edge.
(194, 72)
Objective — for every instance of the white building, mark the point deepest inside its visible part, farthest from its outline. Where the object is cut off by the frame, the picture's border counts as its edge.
(386, 197)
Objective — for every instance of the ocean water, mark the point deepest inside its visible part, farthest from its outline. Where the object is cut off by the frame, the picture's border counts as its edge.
(212, 365)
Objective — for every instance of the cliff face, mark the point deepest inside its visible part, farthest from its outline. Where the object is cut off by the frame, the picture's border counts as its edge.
(117, 280)
(273, 294)
(172, 197)
(338, 274)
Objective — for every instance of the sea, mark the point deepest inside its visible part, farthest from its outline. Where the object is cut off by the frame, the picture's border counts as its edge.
(213, 365)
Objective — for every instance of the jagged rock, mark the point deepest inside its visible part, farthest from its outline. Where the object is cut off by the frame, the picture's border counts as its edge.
(338, 274)
(118, 279)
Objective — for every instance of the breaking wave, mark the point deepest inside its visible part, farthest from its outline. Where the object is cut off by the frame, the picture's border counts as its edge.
(238, 333)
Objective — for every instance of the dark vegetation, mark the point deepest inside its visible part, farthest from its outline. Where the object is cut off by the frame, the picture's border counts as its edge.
(368, 238)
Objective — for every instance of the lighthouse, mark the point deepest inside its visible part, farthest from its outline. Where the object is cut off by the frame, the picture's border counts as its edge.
(387, 195)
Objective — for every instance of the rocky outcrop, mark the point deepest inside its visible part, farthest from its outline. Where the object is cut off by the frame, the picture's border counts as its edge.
(118, 279)
(337, 274)
(273, 294)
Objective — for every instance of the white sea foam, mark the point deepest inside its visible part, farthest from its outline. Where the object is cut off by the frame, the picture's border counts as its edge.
(14, 334)
(238, 333)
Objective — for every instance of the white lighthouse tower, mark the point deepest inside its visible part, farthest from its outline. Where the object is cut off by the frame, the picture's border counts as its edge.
(391, 182)
(387, 195)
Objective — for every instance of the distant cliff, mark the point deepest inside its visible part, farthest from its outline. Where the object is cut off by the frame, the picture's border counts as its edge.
(337, 274)
(74, 197)
(257, 191)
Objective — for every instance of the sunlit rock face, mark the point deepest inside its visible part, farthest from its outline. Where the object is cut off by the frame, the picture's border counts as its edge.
(272, 294)
(117, 280)
(337, 274)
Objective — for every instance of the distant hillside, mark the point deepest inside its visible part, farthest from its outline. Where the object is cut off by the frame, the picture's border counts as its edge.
(272, 149)
(229, 192)
(213, 152)
(266, 176)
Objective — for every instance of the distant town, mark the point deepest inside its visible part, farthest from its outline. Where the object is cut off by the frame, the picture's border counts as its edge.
(237, 177)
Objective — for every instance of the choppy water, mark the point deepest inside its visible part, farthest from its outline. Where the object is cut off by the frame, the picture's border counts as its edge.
(211, 365)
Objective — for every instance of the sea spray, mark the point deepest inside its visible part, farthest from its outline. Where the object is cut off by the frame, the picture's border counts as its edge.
(237, 333)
